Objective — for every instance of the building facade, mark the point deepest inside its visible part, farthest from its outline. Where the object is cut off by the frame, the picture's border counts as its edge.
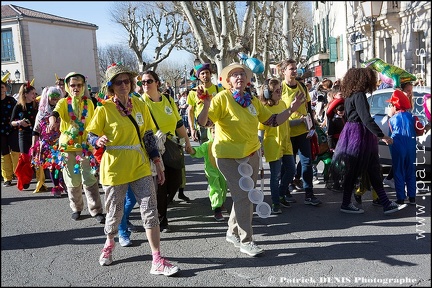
(37, 46)
(343, 37)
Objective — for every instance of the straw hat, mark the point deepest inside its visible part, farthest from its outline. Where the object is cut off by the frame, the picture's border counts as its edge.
(227, 71)
(116, 69)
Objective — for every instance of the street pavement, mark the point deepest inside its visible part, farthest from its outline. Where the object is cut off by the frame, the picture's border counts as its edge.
(304, 246)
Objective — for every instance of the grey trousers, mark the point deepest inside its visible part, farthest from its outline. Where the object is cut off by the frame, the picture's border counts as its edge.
(240, 221)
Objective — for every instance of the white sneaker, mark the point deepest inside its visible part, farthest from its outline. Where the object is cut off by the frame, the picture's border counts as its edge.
(106, 258)
(125, 241)
(389, 183)
(315, 180)
(251, 249)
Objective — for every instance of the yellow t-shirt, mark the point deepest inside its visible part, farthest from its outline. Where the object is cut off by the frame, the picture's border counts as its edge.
(276, 140)
(69, 126)
(236, 128)
(287, 96)
(121, 166)
(164, 113)
(193, 100)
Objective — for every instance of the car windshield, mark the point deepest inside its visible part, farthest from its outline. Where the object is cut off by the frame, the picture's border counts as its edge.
(378, 102)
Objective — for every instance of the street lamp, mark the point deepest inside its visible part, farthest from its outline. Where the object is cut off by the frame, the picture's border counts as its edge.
(17, 75)
(371, 10)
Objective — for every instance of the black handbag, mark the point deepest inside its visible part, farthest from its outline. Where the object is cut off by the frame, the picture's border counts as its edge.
(173, 156)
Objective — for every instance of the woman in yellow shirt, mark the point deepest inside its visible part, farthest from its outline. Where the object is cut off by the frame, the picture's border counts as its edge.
(124, 126)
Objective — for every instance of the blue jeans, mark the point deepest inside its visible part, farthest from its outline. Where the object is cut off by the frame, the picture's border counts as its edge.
(302, 145)
(287, 174)
(275, 170)
(281, 174)
(129, 203)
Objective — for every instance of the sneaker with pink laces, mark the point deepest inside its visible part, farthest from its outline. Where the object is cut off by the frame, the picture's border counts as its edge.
(163, 267)
(106, 256)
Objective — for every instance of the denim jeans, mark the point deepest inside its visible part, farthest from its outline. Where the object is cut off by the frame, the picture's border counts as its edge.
(287, 173)
(129, 203)
(302, 145)
(275, 170)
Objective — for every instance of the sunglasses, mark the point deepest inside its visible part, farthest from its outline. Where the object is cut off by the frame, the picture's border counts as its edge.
(76, 85)
(150, 81)
(119, 82)
(237, 74)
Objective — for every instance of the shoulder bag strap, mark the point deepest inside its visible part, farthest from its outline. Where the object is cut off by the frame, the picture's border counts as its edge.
(134, 123)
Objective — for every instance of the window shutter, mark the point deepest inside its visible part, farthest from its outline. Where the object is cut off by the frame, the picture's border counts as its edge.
(333, 49)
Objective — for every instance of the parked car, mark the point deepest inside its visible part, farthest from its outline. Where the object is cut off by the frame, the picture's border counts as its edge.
(378, 110)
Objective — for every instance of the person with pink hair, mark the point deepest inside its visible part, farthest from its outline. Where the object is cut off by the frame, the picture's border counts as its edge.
(45, 149)
(427, 106)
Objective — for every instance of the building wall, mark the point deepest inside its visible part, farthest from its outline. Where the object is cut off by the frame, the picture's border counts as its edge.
(59, 49)
(43, 48)
(402, 35)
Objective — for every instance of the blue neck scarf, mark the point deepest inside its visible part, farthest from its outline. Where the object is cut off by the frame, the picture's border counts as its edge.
(244, 101)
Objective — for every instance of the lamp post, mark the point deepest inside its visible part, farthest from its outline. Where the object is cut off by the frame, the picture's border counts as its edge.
(371, 10)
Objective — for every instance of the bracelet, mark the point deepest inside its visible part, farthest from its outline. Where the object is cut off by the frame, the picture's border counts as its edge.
(157, 160)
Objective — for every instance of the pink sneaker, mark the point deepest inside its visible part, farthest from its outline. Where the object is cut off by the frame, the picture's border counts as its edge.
(106, 256)
(163, 267)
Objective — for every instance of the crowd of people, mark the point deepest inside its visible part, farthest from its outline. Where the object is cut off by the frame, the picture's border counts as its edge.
(60, 131)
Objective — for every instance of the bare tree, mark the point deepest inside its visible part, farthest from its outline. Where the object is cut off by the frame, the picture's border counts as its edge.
(216, 31)
(114, 54)
(146, 21)
(220, 33)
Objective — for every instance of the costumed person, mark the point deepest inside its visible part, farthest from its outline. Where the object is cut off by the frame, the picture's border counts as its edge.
(167, 119)
(336, 120)
(124, 127)
(427, 109)
(202, 72)
(24, 116)
(235, 114)
(357, 147)
(125, 227)
(404, 127)
(75, 112)
(216, 181)
(321, 152)
(277, 146)
(46, 153)
(10, 151)
(60, 84)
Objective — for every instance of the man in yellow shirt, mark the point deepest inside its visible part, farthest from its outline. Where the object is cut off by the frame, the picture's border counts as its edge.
(203, 73)
(299, 130)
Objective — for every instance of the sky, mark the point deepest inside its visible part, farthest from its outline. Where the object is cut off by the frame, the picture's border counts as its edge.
(91, 12)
